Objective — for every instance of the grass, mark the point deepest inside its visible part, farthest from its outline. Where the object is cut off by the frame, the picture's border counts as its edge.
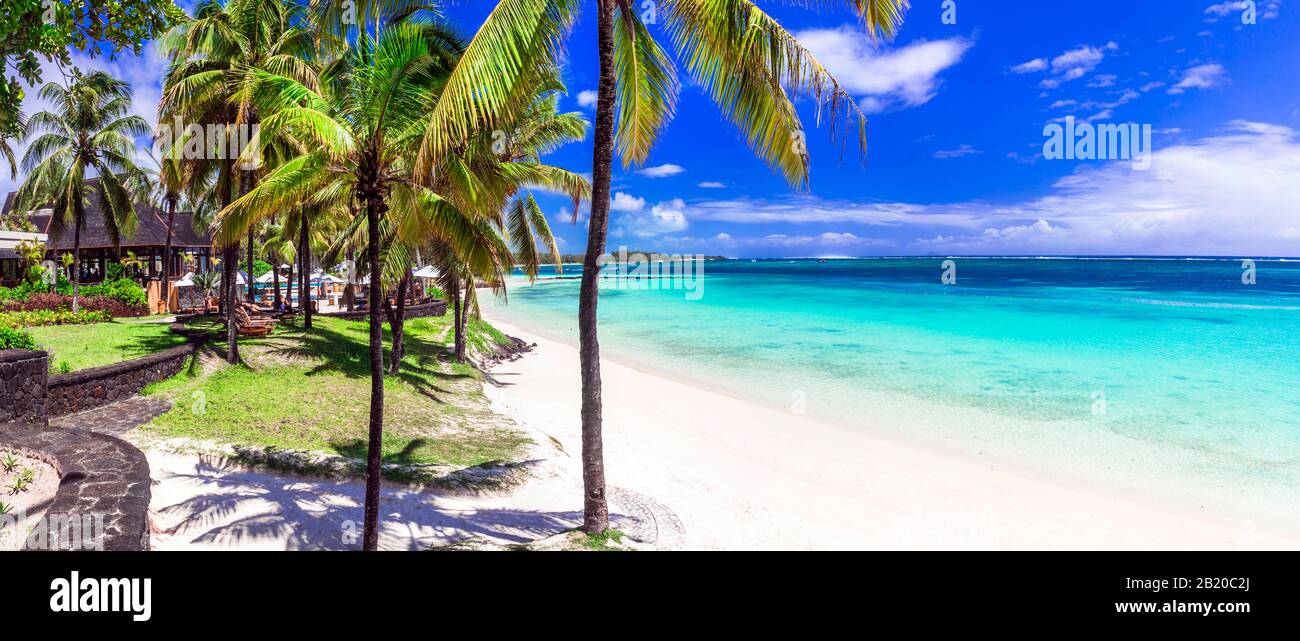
(311, 391)
(604, 541)
(74, 347)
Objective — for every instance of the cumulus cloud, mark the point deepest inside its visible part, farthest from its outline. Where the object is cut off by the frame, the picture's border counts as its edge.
(1206, 76)
(1231, 194)
(626, 202)
(587, 98)
(884, 78)
(712, 184)
(661, 171)
(143, 72)
(664, 218)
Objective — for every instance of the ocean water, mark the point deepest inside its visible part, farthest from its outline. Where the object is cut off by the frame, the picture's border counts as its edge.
(1160, 376)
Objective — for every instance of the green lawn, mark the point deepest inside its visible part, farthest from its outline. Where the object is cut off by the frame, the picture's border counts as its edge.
(74, 347)
(311, 391)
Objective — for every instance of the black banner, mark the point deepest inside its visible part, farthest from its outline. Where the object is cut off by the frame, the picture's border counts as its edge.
(304, 591)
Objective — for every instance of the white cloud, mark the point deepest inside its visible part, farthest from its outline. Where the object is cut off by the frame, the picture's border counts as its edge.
(712, 184)
(1267, 9)
(661, 171)
(884, 78)
(143, 73)
(961, 150)
(1207, 76)
(1070, 65)
(587, 98)
(626, 202)
(1102, 80)
(1232, 194)
(1037, 64)
(664, 218)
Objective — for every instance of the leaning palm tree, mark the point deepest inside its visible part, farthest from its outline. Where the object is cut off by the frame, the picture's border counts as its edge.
(745, 61)
(91, 130)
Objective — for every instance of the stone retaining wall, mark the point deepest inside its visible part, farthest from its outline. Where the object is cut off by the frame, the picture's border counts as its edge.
(88, 388)
(23, 376)
(103, 481)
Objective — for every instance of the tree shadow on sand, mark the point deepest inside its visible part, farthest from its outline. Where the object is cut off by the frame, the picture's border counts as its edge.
(238, 508)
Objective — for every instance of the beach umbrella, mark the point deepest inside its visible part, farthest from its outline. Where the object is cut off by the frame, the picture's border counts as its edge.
(265, 278)
(426, 272)
(186, 281)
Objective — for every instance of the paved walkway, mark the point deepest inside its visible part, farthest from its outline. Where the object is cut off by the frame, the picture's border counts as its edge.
(115, 418)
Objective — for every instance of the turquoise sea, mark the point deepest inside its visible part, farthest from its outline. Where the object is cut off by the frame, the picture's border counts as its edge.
(1162, 376)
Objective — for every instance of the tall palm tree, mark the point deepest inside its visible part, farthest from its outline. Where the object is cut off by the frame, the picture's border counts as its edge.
(216, 59)
(91, 130)
(166, 184)
(748, 64)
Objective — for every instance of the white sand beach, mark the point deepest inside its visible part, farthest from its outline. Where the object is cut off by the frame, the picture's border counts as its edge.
(738, 475)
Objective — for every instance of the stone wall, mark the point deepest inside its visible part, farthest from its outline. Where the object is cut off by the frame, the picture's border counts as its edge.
(435, 308)
(23, 376)
(88, 388)
(104, 489)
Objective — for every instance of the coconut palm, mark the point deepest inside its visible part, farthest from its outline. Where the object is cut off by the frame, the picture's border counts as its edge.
(90, 131)
(216, 59)
(749, 65)
(358, 144)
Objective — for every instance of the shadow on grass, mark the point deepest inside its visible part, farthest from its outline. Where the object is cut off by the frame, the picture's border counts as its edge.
(344, 354)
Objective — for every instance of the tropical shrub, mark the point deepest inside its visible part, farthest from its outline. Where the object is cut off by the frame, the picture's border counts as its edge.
(11, 338)
(115, 307)
(41, 317)
(127, 291)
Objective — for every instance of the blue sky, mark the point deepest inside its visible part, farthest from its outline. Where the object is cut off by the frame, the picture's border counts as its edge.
(957, 111)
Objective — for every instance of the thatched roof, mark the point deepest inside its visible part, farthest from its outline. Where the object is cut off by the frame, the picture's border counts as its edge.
(151, 231)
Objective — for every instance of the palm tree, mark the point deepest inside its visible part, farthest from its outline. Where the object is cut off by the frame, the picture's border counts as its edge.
(165, 185)
(217, 58)
(91, 130)
(360, 144)
(747, 62)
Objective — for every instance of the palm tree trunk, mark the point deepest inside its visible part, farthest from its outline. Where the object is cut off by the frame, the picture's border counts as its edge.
(595, 508)
(167, 250)
(76, 262)
(304, 274)
(275, 278)
(288, 288)
(370, 539)
(230, 277)
(248, 294)
(397, 325)
(458, 318)
(349, 291)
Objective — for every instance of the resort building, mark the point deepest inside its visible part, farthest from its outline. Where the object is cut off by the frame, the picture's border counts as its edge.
(97, 251)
